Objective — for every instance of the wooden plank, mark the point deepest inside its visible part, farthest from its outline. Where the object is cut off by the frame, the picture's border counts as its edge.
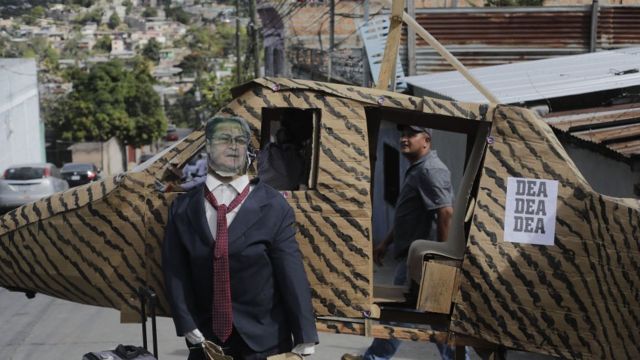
(437, 287)
(340, 327)
(380, 331)
(391, 50)
(389, 294)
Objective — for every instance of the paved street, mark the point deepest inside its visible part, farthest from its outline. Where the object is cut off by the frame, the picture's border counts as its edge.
(49, 328)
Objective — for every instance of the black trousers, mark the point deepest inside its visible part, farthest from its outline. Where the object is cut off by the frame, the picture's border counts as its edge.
(237, 348)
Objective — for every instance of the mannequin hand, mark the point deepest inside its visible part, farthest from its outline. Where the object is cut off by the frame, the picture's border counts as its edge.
(194, 337)
(304, 349)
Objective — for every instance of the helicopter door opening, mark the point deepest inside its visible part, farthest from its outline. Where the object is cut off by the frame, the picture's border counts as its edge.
(403, 279)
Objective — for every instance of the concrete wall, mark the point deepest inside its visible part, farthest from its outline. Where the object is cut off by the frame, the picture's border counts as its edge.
(107, 156)
(21, 132)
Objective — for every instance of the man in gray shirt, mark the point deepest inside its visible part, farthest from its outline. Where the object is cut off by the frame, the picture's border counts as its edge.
(423, 211)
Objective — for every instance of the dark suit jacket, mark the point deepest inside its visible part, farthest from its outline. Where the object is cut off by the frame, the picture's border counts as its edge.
(270, 293)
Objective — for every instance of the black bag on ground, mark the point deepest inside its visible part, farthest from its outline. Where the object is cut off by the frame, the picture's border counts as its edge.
(122, 352)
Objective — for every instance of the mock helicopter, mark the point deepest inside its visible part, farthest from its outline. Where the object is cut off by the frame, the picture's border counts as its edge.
(535, 260)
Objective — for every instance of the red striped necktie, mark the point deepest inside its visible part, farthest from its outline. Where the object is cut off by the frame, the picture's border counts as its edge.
(222, 321)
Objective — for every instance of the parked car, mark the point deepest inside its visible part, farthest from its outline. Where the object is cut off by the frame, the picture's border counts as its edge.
(79, 173)
(22, 184)
(172, 135)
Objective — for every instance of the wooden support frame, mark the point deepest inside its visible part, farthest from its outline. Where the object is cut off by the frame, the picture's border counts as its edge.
(374, 328)
(433, 42)
(391, 49)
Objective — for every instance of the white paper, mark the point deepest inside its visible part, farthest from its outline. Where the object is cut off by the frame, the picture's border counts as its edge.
(530, 211)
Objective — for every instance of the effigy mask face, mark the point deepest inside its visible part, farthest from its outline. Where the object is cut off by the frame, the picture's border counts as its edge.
(228, 146)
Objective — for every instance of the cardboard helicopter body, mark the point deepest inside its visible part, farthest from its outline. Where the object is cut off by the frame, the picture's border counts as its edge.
(574, 297)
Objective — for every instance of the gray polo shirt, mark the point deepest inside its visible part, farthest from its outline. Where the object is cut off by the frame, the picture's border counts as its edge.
(426, 188)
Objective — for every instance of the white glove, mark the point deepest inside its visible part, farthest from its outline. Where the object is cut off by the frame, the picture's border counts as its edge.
(304, 349)
(194, 337)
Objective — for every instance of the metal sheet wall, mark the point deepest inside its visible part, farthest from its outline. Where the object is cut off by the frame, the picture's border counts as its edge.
(493, 36)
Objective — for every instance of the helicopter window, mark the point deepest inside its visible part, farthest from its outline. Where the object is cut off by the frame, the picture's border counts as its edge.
(289, 138)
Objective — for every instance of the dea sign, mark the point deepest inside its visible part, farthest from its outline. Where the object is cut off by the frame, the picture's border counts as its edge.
(530, 212)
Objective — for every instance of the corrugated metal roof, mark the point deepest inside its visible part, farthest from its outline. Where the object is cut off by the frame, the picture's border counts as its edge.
(492, 36)
(617, 127)
(540, 79)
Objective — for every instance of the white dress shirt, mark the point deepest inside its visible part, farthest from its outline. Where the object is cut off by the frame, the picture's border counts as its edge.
(224, 193)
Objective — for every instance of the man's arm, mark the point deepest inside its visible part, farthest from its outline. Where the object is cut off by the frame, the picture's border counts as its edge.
(437, 195)
(292, 281)
(444, 222)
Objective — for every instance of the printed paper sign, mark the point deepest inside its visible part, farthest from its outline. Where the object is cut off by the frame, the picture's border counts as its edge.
(530, 212)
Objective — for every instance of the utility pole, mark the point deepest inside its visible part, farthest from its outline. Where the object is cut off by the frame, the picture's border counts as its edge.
(365, 58)
(593, 35)
(332, 24)
(254, 38)
(332, 30)
(238, 80)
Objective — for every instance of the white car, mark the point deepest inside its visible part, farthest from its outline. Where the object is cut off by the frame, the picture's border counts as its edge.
(22, 184)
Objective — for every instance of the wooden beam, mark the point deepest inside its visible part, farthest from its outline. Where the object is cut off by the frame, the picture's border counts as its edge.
(411, 23)
(391, 49)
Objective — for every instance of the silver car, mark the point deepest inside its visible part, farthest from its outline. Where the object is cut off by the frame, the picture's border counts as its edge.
(22, 184)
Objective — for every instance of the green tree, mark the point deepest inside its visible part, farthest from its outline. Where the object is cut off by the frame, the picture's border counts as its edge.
(183, 111)
(49, 59)
(128, 5)
(150, 12)
(37, 12)
(216, 92)
(151, 50)
(194, 64)
(215, 42)
(178, 14)
(202, 101)
(108, 100)
(83, 3)
(103, 44)
(93, 16)
(114, 21)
